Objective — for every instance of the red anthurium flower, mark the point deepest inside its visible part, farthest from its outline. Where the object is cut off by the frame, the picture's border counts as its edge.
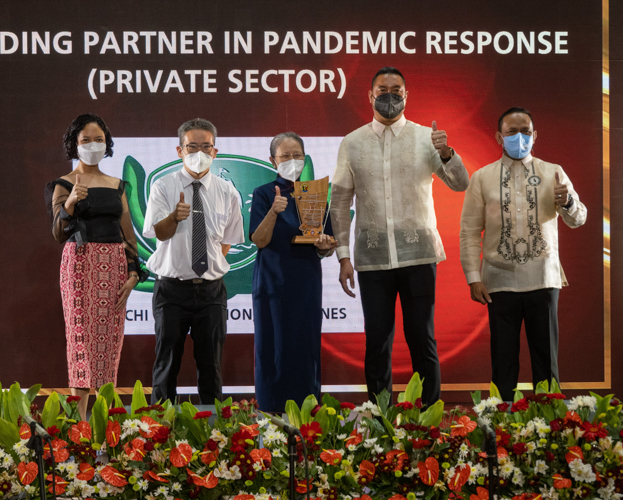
(58, 447)
(398, 496)
(572, 416)
(136, 450)
(463, 427)
(366, 471)
(60, 483)
(24, 432)
(153, 426)
(244, 497)
(460, 478)
(418, 443)
(354, 439)
(429, 471)
(240, 438)
(483, 494)
(331, 457)
(574, 453)
(80, 430)
(363, 497)
(561, 482)
(113, 433)
(262, 455)
(207, 456)
(113, 476)
(86, 472)
(303, 486)
(181, 455)
(593, 431)
(210, 481)
(310, 431)
(253, 429)
(501, 453)
(27, 472)
(150, 475)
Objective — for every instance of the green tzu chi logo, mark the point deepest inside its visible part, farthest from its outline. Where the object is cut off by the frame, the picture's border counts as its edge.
(243, 173)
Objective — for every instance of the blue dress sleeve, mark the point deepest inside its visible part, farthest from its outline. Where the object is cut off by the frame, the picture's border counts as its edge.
(260, 205)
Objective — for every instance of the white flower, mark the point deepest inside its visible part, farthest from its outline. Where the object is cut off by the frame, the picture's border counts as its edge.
(131, 426)
(21, 449)
(506, 471)
(540, 467)
(487, 406)
(530, 447)
(276, 452)
(181, 441)
(400, 433)
(257, 466)
(582, 402)
(176, 487)
(605, 443)
(142, 484)
(582, 472)
(106, 489)
(411, 472)
(518, 478)
(275, 437)
(235, 472)
(351, 447)
(80, 488)
(342, 437)
(463, 450)
(369, 406)
(263, 421)
(219, 437)
(378, 449)
(161, 490)
(7, 461)
(549, 493)
(607, 492)
(369, 443)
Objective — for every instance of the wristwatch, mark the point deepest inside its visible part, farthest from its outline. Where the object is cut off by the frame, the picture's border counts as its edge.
(569, 203)
(445, 160)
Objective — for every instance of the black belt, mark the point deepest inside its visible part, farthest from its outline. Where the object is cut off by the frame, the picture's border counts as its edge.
(194, 281)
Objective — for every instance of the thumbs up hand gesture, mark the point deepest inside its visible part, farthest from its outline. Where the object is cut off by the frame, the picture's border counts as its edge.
(440, 141)
(79, 192)
(280, 203)
(182, 209)
(561, 193)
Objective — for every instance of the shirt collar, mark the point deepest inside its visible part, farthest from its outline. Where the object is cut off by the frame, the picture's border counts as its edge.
(507, 161)
(188, 179)
(396, 127)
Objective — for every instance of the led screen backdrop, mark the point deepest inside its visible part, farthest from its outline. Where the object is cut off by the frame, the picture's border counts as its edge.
(260, 68)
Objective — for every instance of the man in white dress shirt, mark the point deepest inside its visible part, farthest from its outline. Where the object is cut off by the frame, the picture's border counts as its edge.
(388, 165)
(516, 201)
(196, 218)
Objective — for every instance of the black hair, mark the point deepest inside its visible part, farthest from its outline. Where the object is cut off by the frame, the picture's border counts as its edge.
(278, 139)
(510, 112)
(70, 139)
(196, 124)
(388, 70)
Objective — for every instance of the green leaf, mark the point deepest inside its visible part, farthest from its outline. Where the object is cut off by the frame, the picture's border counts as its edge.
(9, 434)
(16, 404)
(494, 392)
(548, 412)
(554, 387)
(331, 402)
(322, 417)
(51, 410)
(542, 387)
(169, 414)
(33, 392)
(99, 419)
(518, 395)
(602, 405)
(388, 425)
(308, 405)
(194, 426)
(414, 388)
(294, 414)
(382, 400)
(433, 415)
(107, 392)
(476, 397)
(138, 397)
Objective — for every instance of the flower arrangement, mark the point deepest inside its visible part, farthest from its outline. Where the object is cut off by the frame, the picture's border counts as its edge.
(547, 448)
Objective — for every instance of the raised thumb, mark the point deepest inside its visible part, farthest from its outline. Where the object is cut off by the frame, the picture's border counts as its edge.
(434, 126)
(182, 197)
(277, 191)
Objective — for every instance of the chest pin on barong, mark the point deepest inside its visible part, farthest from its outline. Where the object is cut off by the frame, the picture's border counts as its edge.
(535, 180)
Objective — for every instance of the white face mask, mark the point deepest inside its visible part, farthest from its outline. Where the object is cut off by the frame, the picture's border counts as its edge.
(198, 162)
(291, 169)
(91, 153)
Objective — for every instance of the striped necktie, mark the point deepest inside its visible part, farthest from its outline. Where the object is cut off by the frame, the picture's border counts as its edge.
(199, 245)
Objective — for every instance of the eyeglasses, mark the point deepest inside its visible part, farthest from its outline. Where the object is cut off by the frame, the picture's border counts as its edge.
(193, 148)
(296, 156)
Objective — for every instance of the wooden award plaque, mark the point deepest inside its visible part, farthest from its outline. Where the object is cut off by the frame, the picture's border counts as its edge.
(311, 203)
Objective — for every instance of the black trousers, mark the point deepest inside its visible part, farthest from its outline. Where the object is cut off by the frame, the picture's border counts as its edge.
(180, 306)
(539, 310)
(416, 287)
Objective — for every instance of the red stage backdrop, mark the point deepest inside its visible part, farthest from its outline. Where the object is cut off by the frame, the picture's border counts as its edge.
(260, 68)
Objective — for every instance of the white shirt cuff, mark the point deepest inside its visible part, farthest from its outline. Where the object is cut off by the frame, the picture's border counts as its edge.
(472, 277)
(342, 252)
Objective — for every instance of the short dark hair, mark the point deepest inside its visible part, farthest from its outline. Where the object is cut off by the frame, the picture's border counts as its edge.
(388, 70)
(278, 139)
(196, 124)
(510, 112)
(70, 139)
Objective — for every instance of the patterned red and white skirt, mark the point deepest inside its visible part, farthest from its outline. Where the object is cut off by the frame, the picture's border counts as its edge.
(90, 279)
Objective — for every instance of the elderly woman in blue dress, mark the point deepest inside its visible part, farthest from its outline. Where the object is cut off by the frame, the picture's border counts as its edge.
(287, 286)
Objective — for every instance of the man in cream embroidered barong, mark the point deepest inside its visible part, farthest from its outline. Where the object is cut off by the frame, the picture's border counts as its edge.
(388, 166)
(517, 201)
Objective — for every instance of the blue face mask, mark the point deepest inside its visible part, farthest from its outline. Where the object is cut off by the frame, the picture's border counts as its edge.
(518, 146)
